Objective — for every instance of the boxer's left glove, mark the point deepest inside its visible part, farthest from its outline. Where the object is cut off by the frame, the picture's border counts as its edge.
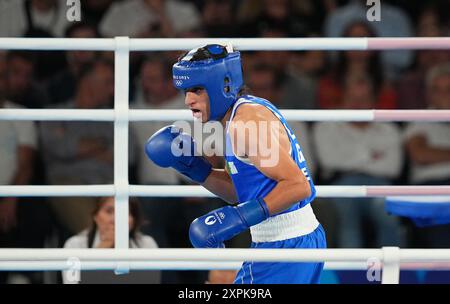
(169, 147)
(212, 229)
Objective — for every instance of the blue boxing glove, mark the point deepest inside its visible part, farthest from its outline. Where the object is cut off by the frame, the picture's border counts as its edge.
(169, 147)
(212, 229)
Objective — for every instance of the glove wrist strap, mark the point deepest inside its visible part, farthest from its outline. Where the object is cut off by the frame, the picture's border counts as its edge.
(253, 212)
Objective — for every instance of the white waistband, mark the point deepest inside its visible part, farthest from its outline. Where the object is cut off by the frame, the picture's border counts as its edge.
(285, 226)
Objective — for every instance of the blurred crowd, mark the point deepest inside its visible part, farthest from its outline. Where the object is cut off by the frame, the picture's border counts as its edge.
(338, 153)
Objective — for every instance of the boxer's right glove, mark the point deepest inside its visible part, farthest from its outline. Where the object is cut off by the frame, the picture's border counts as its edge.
(212, 229)
(164, 149)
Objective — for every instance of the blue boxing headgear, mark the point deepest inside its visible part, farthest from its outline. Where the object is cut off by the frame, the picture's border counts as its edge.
(215, 69)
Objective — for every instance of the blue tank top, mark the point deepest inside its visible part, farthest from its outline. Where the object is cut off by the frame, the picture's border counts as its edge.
(248, 181)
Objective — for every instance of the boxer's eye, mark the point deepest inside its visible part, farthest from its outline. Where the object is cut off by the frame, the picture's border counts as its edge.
(195, 90)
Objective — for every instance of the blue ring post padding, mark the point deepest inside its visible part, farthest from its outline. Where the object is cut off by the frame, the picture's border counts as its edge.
(423, 214)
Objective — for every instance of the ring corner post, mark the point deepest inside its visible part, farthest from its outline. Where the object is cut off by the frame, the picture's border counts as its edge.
(121, 108)
(391, 265)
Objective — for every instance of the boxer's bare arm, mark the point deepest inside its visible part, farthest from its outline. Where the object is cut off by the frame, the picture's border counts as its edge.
(219, 182)
(292, 185)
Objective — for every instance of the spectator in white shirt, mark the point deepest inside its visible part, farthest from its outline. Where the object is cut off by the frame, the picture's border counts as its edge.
(17, 17)
(428, 148)
(360, 153)
(428, 144)
(18, 144)
(101, 232)
(137, 18)
(80, 153)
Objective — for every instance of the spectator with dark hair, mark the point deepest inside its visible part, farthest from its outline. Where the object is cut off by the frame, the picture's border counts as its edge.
(266, 82)
(76, 30)
(292, 84)
(411, 86)
(305, 69)
(18, 145)
(101, 233)
(219, 19)
(426, 142)
(361, 153)
(22, 87)
(32, 17)
(428, 148)
(267, 57)
(394, 23)
(330, 90)
(38, 19)
(295, 17)
(62, 87)
(94, 10)
(154, 91)
(79, 152)
(139, 18)
(433, 20)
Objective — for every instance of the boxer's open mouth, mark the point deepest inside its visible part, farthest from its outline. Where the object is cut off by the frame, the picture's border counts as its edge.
(196, 113)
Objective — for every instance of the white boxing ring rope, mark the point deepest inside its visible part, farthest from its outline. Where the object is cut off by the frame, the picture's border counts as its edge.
(198, 191)
(121, 258)
(172, 115)
(12, 265)
(244, 44)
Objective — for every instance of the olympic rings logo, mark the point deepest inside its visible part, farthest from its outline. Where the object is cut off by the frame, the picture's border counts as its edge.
(210, 220)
